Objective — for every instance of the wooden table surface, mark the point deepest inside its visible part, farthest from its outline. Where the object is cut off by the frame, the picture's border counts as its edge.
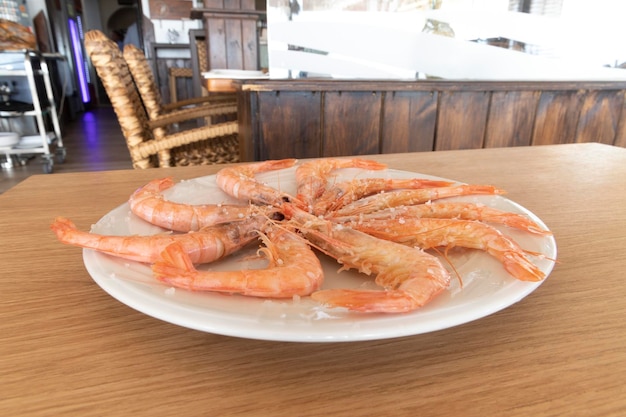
(68, 348)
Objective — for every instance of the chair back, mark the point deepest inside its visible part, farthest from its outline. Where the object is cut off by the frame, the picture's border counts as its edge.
(144, 80)
(199, 61)
(116, 78)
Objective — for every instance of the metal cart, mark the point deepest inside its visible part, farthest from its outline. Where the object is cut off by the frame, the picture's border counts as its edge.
(32, 65)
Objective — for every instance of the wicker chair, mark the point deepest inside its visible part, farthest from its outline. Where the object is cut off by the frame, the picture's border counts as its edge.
(151, 97)
(148, 141)
(174, 73)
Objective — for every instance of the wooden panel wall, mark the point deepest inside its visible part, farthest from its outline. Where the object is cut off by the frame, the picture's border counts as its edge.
(408, 122)
(511, 118)
(461, 120)
(343, 133)
(620, 139)
(232, 38)
(600, 116)
(300, 130)
(557, 117)
(344, 118)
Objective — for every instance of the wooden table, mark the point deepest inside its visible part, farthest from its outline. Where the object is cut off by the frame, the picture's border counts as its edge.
(68, 348)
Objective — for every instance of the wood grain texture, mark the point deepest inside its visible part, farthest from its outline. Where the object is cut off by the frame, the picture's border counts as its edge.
(461, 120)
(232, 39)
(230, 4)
(464, 115)
(557, 117)
(68, 348)
(170, 9)
(300, 115)
(217, 50)
(234, 44)
(250, 44)
(351, 123)
(511, 118)
(409, 121)
(620, 138)
(599, 116)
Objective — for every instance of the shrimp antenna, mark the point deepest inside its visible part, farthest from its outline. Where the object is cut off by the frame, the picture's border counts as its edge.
(444, 255)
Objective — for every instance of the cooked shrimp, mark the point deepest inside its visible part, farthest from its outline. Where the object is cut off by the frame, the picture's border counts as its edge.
(312, 176)
(452, 210)
(238, 181)
(408, 197)
(432, 233)
(409, 277)
(149, 204)
(293, 269)
(340, 194)
(204, 246)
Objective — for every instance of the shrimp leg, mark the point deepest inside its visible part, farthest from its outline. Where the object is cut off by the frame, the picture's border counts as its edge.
(293, 270)
(148, 204)
(204, 246)
(312, 177)
(409, 277)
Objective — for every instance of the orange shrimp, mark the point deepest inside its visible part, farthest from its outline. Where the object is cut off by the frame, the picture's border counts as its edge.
(452, 210)
(340, 194)
(409, 197)
(148, 204)
(431, 233)
(204, 246)
(293, 270)
(238, 181)
(409, 277)
(312, 176)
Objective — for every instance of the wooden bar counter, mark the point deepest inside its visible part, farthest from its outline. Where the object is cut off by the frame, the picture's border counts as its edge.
(68, 348)
(312, 118)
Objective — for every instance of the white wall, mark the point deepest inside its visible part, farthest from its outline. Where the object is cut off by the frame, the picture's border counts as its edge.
(578, 45)
(161, 26)
(35, 6)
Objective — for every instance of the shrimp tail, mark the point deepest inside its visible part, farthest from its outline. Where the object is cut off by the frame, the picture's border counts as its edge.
(368, 164)
(173, 262)
(521, 268)
(62, 227)
(156, 186)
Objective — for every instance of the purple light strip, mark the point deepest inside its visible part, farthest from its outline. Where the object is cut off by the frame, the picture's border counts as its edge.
(78, 58)
(81, 35)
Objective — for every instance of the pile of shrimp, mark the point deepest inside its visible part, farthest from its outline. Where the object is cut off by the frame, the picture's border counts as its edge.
(389, 228)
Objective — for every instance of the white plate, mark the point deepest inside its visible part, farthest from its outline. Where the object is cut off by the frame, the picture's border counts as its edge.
(487, 287)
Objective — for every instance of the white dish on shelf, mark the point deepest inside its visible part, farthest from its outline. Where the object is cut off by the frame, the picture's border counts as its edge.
(235, 74)
(487, 287)
(34, 141)
(9, 139)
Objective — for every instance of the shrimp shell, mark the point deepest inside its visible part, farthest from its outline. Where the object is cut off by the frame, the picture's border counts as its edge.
(148, 204)
(409, 197)
(239, 182)
(409, 277)
(451, 210)
(346, 192)
(293, 270)
(204, 246)
(431, 233)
